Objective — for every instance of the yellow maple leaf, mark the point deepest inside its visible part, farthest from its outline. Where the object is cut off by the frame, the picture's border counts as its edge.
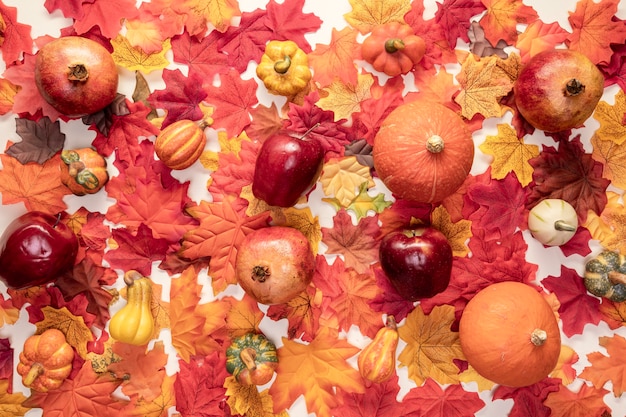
(611, 118)
(246, 400)
(362, 202)
(219, 13)
(342, 178)
(314, 370)
(431, 346)
(144, 34)
(510, 154)
(134, 58)
(610, 227)
(366, 14)
(210, 160)
(243, 317)
(76, 331)
(7, 95)
(303, 220)
(613, 158)
(231, 145)
(470, 375)
(11, 403)
(457, 233)
(483, 84)
(344, 99)
(563, 368)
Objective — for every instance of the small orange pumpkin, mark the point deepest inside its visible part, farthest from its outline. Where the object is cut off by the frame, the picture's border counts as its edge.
(510, 334)
(393, 48)
(423, 151)
(180, 144)
(45, 361)
(83, 170)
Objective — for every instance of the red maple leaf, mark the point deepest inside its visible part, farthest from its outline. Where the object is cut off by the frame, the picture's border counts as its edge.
(180, 97)
(233, 100)
(245, 42)
(235, 171)
(302, 314)
(388, 300)
(72, 9)
(199, 386)
(497, 207)
(378, 400)
(454, 16)
(17, 39)
(6, 360)
(528, 401)
(136, 251)
(578, 308)
(288, 22)
(108, 15)
(432, 400)
(438, 49)
(200, 55)
(569, 174)
(403, 213)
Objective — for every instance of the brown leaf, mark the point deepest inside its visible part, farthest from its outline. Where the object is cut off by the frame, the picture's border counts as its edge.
(40, 140)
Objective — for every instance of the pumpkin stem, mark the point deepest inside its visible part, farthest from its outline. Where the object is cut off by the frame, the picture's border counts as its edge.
(574, 88)
(34, 372)
(260, 273)
(617, 277)
(394, 45)
(248, 356)
(78, 72)
(435, 144)
(131, 276)
(391, 323)
(563, 226)
(538, 337)
(282, 66)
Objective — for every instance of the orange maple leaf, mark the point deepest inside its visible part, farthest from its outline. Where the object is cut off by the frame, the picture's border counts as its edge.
(588, 401)
(38, 186)
(610, 367)
(336, 60)
(315, 370)
(501, 19)
(7, 95)
(221, 230)
(215, 327)
(201, 12)
(593, 28)
(539, 36)
(244, 316)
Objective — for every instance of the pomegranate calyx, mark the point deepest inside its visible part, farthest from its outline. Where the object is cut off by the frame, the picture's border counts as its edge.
(574, 87)
(260, 273)
(78, 72)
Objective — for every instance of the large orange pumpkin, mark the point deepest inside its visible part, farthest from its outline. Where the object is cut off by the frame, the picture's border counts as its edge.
(510, 334)
(423, 151)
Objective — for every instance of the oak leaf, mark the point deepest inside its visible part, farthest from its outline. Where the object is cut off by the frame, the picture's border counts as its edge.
(74, 328)
(510, 154)
(314, 370)
(342, 178)
(366, 14)
(502, 17)
(587, 401)
(430, 399)
(345, 99)
(336, 60)
(431, 346)
(133, 58)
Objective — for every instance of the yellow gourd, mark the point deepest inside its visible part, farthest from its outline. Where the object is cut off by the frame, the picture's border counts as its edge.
(134, 323)
(377, 361)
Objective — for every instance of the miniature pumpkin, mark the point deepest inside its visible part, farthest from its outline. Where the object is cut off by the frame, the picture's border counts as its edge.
(134, 323)
(393, 48)
(83, 171)
(553, 221)
(377, 361)
(605, 276)
(251, 359)
(510, 335)
(181, 143)
(423, 151)
(284, 68)
(45, 361)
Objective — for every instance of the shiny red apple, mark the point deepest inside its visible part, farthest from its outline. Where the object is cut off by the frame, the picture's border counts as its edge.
(287, 167)
(417, 261)
(36, 248)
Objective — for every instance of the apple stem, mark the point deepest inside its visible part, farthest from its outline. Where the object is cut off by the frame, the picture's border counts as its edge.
(309, 130)
(538, 337)
(563, 226)
(393, 45)
(78, 72)
(574, 87)
(58, 220)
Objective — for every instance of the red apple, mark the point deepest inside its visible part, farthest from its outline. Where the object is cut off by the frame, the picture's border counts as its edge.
(36, 248)
(287, 167)
(417, 261)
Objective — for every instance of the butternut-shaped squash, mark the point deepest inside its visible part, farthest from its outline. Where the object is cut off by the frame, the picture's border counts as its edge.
(134, 323)
(377, 361)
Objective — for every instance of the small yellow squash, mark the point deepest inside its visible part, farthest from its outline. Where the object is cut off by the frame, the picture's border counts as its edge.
(134, 323)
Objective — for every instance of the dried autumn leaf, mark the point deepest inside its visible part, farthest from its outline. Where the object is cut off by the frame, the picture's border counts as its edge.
(303, 220)
(483, 84)
(613, 159)
(40, 140)
(611, 118)
(7, 95)
(342, 178)
(431, 346)
(74, 328)
(539, 36)
(510, 154)
(502, 17)
(133, 58)
(200, 13)
(302, 313)
(336, 60)
(314, 370)
(611, 227)
(345, 99)
(11, 403)
(457, 233)
(587, 401)
(247, 400)
(243, 316)
(8, 313)
(366, 14)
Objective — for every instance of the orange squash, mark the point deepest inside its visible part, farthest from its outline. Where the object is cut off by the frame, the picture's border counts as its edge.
(83, 170)
(393, 48)
(180, 144)
(377, 361)
(423, 151)
(45, 361)
(510, 335)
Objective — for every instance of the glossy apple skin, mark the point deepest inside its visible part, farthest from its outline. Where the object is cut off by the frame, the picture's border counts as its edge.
(417, 262)
(286, 168)
(35, 249)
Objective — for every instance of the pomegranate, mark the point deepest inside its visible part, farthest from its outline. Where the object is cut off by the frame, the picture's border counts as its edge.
(76, 76)
(558, 89)
(274, 264)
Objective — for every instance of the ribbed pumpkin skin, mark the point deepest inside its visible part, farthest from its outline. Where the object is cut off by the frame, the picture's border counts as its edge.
(180, 144)
(495, 334)
(405, 165)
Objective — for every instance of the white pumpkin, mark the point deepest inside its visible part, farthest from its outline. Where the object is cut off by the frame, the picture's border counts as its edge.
(553, 222)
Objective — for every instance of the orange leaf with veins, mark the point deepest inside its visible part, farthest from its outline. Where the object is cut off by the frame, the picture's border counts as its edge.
(336, 60)
(609, 367)
(588, 401)
(502, 18)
